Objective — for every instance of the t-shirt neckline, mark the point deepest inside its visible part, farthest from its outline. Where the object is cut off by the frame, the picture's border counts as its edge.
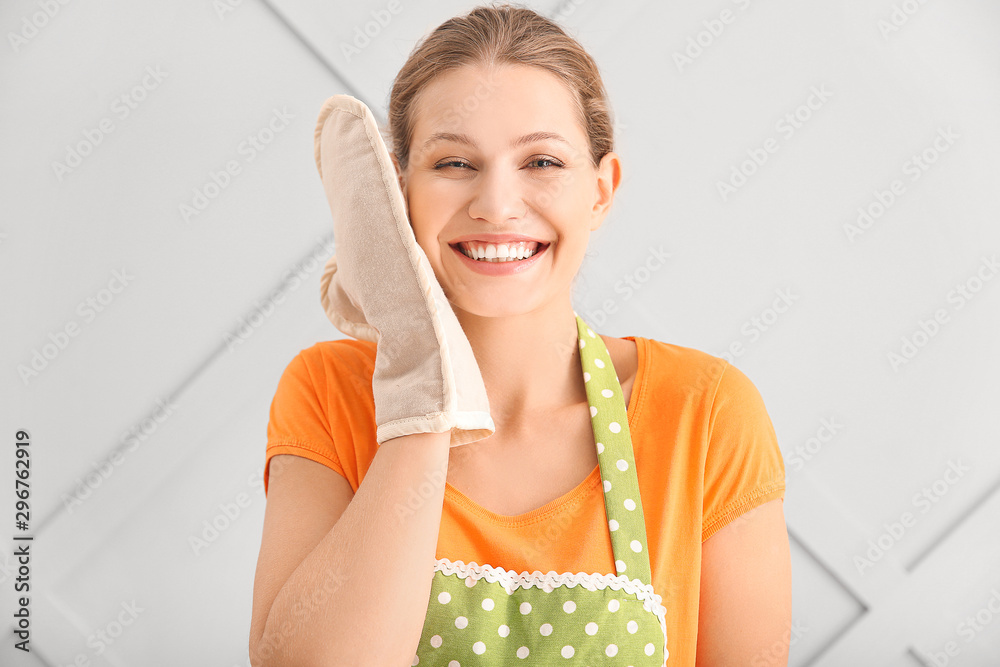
(584, 488)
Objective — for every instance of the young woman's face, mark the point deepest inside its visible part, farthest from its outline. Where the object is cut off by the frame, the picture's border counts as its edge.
(500, 181)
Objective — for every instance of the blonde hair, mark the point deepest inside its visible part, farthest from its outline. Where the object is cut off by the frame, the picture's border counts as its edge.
(492, 35)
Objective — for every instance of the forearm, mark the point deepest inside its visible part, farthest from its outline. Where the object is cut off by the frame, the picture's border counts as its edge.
(360, 597)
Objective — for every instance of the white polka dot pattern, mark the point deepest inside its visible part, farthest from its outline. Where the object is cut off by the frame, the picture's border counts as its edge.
(609, 420)
(484, 615)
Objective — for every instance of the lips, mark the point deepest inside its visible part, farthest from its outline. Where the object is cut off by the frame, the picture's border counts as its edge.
(500, 268)
(496, 238)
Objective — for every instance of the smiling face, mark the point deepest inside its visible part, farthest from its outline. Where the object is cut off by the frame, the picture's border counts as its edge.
(501, 153)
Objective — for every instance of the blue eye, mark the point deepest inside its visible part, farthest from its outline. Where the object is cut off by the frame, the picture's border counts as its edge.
(461, 164)
(545, 159)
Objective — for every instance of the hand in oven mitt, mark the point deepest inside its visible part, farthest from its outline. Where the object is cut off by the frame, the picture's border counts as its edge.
(380, 287)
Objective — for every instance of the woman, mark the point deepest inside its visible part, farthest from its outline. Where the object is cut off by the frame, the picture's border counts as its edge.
(614, 501)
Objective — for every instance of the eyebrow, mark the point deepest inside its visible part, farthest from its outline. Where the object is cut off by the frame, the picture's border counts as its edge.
(520, 141)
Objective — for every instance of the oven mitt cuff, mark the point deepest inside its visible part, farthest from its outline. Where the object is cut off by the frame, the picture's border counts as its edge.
(380, 287)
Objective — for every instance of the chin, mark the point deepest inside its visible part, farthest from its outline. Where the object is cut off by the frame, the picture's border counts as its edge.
(484, 308)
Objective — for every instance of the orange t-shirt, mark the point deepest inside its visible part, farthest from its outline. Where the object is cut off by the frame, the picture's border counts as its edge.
(705, 453)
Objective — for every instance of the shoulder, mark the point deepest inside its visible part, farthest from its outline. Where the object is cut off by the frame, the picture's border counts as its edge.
(679, 372)
(344, 355)
(333, 366)
(342, 350)
(687, 375)
(717, 429)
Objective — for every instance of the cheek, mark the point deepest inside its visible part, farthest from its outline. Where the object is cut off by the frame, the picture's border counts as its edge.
(425, 216)
(562, 197)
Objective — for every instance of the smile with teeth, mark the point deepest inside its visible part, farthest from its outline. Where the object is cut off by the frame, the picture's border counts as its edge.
(498, 252)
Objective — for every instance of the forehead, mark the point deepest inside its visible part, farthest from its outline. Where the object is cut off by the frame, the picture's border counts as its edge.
(499, 104)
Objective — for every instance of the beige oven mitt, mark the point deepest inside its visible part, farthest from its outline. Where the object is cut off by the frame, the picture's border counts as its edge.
(379, 286)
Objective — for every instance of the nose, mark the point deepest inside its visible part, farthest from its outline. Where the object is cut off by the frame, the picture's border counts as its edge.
(498, 197)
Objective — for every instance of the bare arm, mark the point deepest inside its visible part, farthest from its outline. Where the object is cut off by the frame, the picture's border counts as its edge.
(746, 592)
(345, 580)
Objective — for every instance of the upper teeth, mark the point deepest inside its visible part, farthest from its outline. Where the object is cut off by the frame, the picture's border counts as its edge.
(501, 252)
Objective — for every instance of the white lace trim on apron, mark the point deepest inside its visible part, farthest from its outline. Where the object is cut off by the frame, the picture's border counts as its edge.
(511, 581)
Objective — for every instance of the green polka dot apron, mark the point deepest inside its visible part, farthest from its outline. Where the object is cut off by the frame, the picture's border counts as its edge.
(487, 615)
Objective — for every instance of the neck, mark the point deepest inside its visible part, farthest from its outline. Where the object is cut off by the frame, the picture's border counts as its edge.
(530, 362)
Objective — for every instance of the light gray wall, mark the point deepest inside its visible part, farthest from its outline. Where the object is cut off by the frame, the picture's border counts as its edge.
(184, 348)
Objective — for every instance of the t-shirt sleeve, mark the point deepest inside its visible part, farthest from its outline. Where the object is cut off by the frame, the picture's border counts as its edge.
(299, 423)
(744, 467)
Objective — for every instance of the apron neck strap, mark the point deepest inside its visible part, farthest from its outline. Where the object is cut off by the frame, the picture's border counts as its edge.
(609, 419)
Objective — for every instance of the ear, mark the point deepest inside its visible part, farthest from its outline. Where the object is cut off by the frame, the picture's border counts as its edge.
(609, 177)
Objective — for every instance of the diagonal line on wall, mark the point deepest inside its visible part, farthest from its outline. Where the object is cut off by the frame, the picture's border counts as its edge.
(37, 655)
(351, 90)
(903, 617)
(962, 518)
(218, 352)
(823, 522)
(222, 347)
(822, 564)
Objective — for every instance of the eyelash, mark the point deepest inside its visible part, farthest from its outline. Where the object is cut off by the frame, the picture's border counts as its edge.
(555, 163)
